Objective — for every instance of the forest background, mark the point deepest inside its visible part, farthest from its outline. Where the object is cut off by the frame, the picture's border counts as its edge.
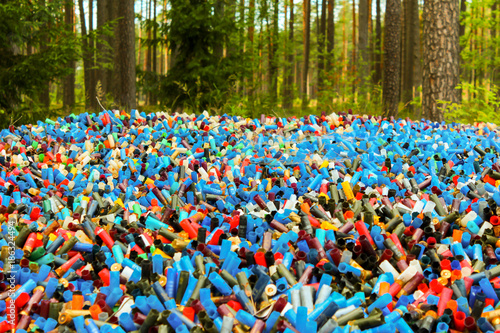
(437, 59)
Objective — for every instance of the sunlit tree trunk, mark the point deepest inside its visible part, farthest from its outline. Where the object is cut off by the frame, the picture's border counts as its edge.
(69, 81)
(154, 97)
(377, 77)
(86, 56)
(289, 77)
(441, 60)
(91, 54)
(354, 46)
(321, 46)
(251, 31)
(126, 49)
(44, 95)
(363, 57)
(306, 40)
(392, 53)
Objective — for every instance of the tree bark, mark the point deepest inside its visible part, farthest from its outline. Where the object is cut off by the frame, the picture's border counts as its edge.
(69, 81)
(251, 31)
(103, 51)
(371, 40)
(86, 56)
(241, 9)
(289, 77)
(343, 86)
(306, 38)
(354, 46)
(330, 40)
(154, 99)
(165, 38)
(411, 67)
(494, 70)
(44, 95)
(463, 9)
(273, 65)
(392, 53)
(265, 37)
(91, 55)
(461, 33)
(417, 66)
(313, 84)
(377, 77)
(363, 57)
(126, 55)
(405, 58)
(441, 57)
(147, 60)
(404, 6)
(321, 46)
(111, 80)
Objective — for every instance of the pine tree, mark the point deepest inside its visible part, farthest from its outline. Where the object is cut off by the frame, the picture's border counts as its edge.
(441, 59)
(392, 57)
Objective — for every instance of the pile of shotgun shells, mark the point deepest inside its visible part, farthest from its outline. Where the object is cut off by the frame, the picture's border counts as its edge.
(159, 223)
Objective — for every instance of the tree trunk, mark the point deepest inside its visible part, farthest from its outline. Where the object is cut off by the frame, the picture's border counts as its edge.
(377, 77)
(441, 59)
(463, 9)
(265, 37)
(392, 45)
(165, 37)
(103, 52)
(126, 58)
(251, 31)
(273, 65)
(139, 46)
(321, 46)
(69, 81)
(154, 99)
(494, 70)
(231, 49)
(405, 54)
(481, 46)
(92, 69)
(404, 5)
(173, 56)
(371, 40)
(44, 95)
(363, 57)
(289, 77)
(345, 68)
(241, 87)
(330, 39)
(417, 67)
(264, 40)
(354, 46)
(411, 67)
(147, 60)
(111, 76)
(461, 33)
(86, 56)
(307, 35)
(313, 84)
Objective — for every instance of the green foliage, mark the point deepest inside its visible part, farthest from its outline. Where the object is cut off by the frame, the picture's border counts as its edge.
(481, 108)
(23, 75)
(147, 81)
(199, 79)
(479, 47)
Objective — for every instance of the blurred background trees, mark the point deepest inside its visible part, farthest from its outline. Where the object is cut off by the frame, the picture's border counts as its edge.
(409, 58)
